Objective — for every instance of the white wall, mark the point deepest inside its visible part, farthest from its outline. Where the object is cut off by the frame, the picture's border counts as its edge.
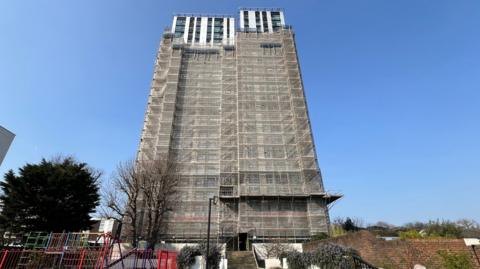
(200, 263)
(178, 246)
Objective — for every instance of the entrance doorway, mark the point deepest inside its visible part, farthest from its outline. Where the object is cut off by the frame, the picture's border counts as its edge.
(242, 241)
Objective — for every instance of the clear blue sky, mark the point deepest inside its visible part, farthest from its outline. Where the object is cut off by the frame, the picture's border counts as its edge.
(393, 89)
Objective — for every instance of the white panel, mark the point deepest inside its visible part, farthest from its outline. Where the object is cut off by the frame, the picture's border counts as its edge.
(232, 30)
(241, 19)
(282, 18)
(225, 29)
(269, 19)
(185, 32)
(261, 21)
(194, 30)
(251, 19)
(174, 23)
(203, 31)
(472, 241)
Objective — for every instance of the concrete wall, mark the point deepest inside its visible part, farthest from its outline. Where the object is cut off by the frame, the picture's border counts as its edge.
(200, 263)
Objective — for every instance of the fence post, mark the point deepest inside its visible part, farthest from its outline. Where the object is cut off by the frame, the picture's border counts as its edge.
(5, 253)
(82, 257)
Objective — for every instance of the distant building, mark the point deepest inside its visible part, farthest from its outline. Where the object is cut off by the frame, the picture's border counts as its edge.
(6, 138)
(229, 107)
(105, 225)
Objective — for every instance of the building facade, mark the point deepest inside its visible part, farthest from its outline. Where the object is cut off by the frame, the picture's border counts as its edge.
(229, 107)
(6, 138)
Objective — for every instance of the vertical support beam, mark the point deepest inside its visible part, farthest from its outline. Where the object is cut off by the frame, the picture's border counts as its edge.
(82, 257)
(4, 257)
(208, 231)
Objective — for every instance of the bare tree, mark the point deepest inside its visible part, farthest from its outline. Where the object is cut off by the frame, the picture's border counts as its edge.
(159, 185)
(143, 193)
(121, 199)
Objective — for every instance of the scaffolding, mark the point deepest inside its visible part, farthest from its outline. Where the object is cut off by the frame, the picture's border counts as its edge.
(235, 120)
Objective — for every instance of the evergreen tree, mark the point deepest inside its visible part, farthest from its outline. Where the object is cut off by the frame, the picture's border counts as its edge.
(350, 226)
(49, 196)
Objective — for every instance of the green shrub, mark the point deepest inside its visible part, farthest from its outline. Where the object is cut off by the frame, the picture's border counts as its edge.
(328, 256)
(455, 260)
(320, 236)
(410, 234)
(337, 230)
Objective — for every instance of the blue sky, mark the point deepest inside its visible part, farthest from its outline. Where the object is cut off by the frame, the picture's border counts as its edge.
(393, 89)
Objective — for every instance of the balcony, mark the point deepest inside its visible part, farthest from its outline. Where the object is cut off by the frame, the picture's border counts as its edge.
(228, 192)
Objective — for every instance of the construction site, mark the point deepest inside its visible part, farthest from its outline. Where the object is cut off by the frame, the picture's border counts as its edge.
(228, 106)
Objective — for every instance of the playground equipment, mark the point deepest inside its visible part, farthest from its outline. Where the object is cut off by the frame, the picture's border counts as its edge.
(81, 251)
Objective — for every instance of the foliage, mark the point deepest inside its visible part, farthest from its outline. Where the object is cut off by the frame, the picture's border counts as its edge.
(455, 260)
(327, 256)
(470, 228)
(296, 260)
(276, 248)
(337, 230)
(54, 196)
(320, 236)
(349, 224)
(463, 228)
(186, 257)
(443, 229)
(382, 228)
(214, 253)
(410, 234)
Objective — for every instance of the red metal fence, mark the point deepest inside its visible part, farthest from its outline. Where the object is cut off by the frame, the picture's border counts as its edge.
(144, 259)
(87, 259)
(91, 259)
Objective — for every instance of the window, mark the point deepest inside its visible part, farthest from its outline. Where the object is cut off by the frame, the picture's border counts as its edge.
(218, 30)
(276, 21)
(209, 30)
(190, 29)
(258, 22)
(245, 19)
(180, 26)
(228, 28)
(265, 21)
(197, 29)
(210, 182)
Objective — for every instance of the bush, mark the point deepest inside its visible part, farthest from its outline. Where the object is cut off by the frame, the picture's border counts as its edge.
(326, 256)
(455, 260)
(186, 257)
(320, 236)
(410, 234)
